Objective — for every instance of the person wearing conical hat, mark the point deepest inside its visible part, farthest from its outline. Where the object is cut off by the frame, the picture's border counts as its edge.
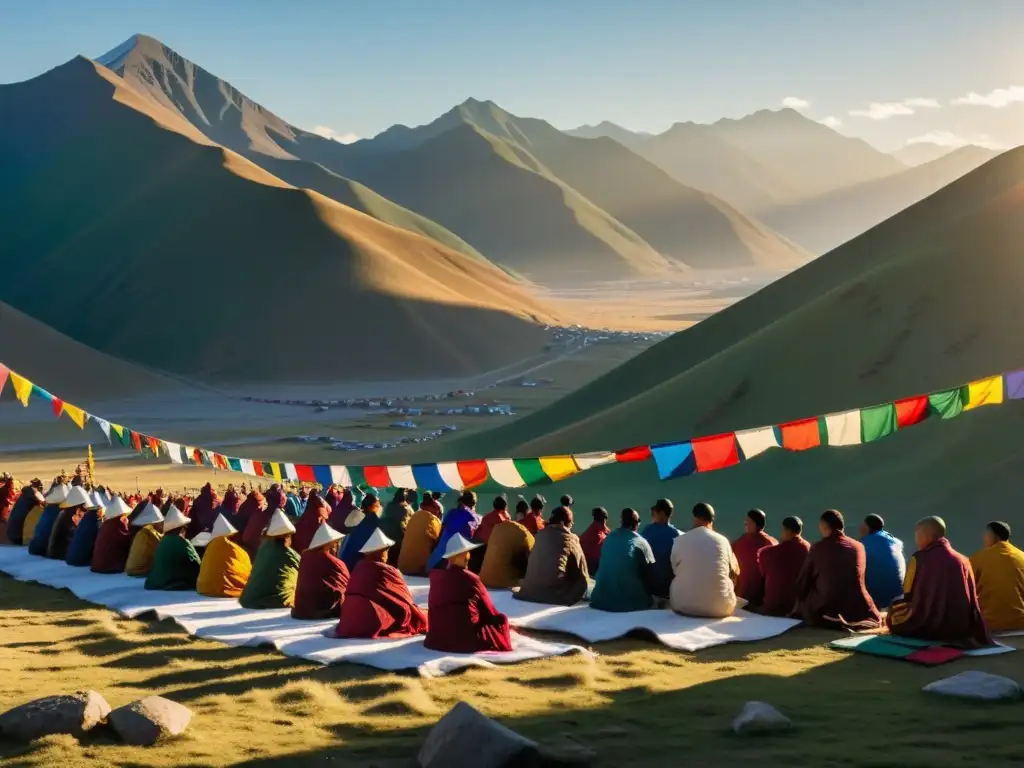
(226, 565)
(146, 537)
(72, 509)
(361, 524)
(30, 499)
(462, 617)
(40, 532)
(323, 578)
(175, 562)
(317, 512)
(259, 519)
(276, 567)
(114, 540)
(378, 602)
(80, 549)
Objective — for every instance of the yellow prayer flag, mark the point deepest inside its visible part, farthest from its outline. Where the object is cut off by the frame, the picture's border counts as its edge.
(275, 468)
(558, 467)
(985, 392)
(22, 388)
(77, 414)
(118, 429)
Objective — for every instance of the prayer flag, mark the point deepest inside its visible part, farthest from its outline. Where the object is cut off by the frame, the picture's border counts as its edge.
(340, 476)
(76, 414)
(289, 472)
(637, 453)
(754, 442)
(800, 435)
(305, 473)
(268, 469)
(356, 477)
(275, 471)
(984, 392)
(58, 407)
(104, 425)
(449, 472)
(4, 371)
(593, 459)
(136, 440)
(715, 452)
(428, 477)
(154, 445)
(473, 473)
(37, 390)
(247, 467)
(1014, 384)
(118, 430)
(504, 473)
(949, 403)
(234, 464)
(911, 411)
(257, 468)
(843, 428)
(322, 475)
(126, 437)
(877, 422)
(377, 476)
(558, 467)
(531, 471)
(174, 451)
(401, 477)
(674, 460)
(22, 388)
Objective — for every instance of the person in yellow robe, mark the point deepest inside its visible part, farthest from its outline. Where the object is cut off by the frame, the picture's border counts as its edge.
(999, 570)
(145, 541)
(226, 565)
(421, 535)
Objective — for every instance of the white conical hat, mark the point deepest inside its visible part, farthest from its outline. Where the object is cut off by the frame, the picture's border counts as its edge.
(355, 517)
(57, 494)
(77, 497)
(116, 508)
(376, 542)
(201, 539)
(221, 527)
(149, 515)
(175, 519)
(95, 501)
(279, 524)
(324, 535)
(458, 544)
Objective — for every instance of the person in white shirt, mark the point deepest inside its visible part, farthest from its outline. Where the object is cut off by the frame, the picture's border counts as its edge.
(704, 570)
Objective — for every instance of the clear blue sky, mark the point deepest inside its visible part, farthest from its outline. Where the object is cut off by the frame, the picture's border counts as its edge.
(358, 67)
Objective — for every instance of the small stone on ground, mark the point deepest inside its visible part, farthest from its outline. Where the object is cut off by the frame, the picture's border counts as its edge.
(146, 721)
(976, 685)
(71, 714)
(466, 738)
(759, 717)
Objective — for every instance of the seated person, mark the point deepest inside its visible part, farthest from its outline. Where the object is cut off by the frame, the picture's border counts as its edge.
(886, 567)
(507, 554)
(72, 509)
(341, 508)
(623, 584)
(661, 535)
(361, 523)
(533, 519)
(226, 566)
(461, 616)
(395, 519)
(750, 584)
(275, 569)
(41, 531)
(999, 572)
(253, 503)
(31, 496)
(592, 539)
(557, 571)
(378, 602)
(421, 535)
(147, 526)
(203, 512)
(497, 515)
(7, 496)
(830, 591)
(317, 512)
(259, 519)
(940, 600)
(705, 570)
(780, 566)
(462, 520)
(80, 549)
(323, 578)
(114, 539)
(175, 562)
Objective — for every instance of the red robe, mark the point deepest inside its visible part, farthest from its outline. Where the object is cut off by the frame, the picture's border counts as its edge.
(591, 541)
(750, 585)
(256, 521)
(830, 591)
(941, 602)
(491, 519)
(317, 511)
(533, 522)
(113, 543)
(340, 511)
(780, 566)
(6, 503)
(462, 617)
(378, 604)
(203, 512)
(321, 585)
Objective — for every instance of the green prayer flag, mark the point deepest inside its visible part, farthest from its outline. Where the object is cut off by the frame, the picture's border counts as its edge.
(877, 422)
(357, 476)
(531, 471)
(235, 464)
(949, 402)
(126, 437)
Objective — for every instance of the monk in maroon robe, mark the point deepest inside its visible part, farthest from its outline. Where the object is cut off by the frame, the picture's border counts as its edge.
(592, 539)
(252, 503)
(780, 567)
(7, 495)
(340, 513)
(317, 512)
(461, 615)
(940, 597)
(830, 591)
(378, 602)
(113, 543)
(323, 578)
(750, 584)
(203, 512)
(259, 519)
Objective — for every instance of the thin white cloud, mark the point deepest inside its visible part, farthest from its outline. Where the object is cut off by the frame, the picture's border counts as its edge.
(883, 110)
(955, 141)
(996, 98)
(831, 121)
(330, 133)
(795, 102)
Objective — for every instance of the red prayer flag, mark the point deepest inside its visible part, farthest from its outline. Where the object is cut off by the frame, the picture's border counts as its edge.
(58, 406)
(911, 410)
(305, 473)
(257, 468)
(637, 453)
(154, 445)
(220, 461)
(473, 473)
(801, 434)
(378, 477)
(197, 457)
(136, 442)
(716, 452)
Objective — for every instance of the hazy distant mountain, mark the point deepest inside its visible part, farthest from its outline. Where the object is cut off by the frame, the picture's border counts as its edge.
(917, 154)
(627, 138)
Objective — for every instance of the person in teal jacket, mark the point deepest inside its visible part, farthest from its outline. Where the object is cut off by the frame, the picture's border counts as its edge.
(623, 581)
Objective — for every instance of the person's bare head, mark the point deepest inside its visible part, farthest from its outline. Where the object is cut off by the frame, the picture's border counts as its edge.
(703, 515)
(929, 529)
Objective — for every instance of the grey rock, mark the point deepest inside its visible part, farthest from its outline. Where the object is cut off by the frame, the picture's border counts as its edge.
(466, 738)
(759, 717)
(73, 714)
(976, 685)
(146, 721)
(566, 752)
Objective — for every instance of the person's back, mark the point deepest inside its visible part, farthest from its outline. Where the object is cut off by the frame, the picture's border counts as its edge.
(175, 563)
(780, 566)
(661, 535)
(323, 578)
(704, 566)
(275, 571)
(622, 584)
(394, 521)
(999, 573)
(885, 565)
(421, 535)
(507, 555)
(557, 571)
(593, 538)
(750, 584)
